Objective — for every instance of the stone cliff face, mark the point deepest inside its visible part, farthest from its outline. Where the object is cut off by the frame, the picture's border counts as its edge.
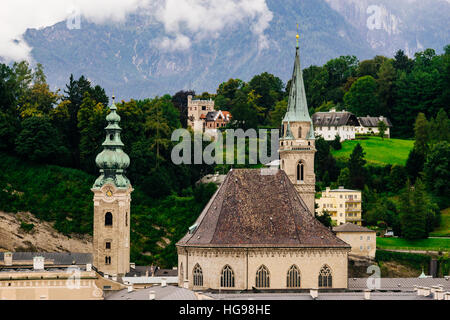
(41, 238)
(410, 25)
(127, 58)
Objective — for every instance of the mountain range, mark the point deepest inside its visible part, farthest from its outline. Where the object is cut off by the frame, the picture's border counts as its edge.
(126, 59)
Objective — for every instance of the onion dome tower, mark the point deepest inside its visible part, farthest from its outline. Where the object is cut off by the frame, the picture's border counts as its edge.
(112, 199)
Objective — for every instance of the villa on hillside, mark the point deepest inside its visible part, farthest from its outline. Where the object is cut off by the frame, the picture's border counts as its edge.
(330, 124)
(202, 116)
(369, 125)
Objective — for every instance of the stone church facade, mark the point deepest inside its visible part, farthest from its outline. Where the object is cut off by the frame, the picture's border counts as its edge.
(257, 232)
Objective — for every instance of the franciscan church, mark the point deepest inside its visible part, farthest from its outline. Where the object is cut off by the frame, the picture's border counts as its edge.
(259, 231)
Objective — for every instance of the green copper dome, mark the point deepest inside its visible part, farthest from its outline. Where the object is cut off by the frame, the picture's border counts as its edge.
(112, 161)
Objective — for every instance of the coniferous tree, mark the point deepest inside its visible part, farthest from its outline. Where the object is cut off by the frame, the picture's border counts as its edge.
(356, 164)
(413, 212)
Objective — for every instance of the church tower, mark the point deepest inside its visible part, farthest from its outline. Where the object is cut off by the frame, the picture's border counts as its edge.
(112, 197)
(297, 143)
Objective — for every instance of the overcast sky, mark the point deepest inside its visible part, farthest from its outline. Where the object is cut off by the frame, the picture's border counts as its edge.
(200, 17)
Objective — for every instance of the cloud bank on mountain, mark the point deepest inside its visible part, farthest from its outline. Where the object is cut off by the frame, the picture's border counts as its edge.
(184, 21)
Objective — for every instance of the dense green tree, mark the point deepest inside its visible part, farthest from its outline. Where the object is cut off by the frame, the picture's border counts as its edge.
(315, 79)
(439, 128)
(382, 127)
(91, 123)
(421, 133)
(362, 98)
(268, 89)
(180, 101)
(9, 121)
(437, 170)
(414, 164)
(39, 141)
(324, 162)
(325, 219)
(397, 177)
(344, 178)
(387, 76)
(413, 212)
(402, 62)
(336, 143)
(356, 164)
(277, 115)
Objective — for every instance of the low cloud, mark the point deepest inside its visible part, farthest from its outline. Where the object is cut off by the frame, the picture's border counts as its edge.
(184, 21)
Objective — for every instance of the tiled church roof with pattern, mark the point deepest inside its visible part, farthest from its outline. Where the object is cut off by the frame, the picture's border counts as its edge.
(251, 209)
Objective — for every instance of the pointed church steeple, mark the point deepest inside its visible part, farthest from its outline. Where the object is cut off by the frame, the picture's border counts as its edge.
(112, 161)
(297, 110)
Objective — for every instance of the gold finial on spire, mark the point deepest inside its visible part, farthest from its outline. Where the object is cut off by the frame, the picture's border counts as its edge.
(297, 36)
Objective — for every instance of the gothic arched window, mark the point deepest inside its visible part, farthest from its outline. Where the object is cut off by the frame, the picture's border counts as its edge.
(300, 171)
(198, 276)
(293, 277)
(325, 277)
(108, 219)
(227, 277)
(262, 277)
(300, 132)
(107, 260)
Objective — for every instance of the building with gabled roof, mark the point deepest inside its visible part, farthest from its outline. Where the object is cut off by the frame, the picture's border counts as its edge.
(362, 240)
(369, 125)
(334, 123)
(256, 231)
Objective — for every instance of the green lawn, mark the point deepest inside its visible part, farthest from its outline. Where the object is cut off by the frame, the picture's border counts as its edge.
(387, 151)
(444, 229)
(422, 244)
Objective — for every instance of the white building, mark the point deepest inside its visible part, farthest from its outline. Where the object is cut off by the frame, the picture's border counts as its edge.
(330, 124)
(369, 125)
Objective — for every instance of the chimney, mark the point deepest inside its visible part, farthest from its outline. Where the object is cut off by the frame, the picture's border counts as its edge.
(7, 257)
(38, 263)
(367, 294)
(152, 295)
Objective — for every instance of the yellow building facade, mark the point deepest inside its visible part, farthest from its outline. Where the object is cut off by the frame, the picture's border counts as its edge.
(343, 205)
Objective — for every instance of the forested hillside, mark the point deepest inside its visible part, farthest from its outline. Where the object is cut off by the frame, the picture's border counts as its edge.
(49, 140)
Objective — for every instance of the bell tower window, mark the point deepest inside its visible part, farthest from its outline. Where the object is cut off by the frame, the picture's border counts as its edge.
(108, 219)
(300, 172)
(300, 132)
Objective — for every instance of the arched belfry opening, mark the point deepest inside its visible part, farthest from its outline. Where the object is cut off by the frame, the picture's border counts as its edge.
(301, 171)
(108, 219)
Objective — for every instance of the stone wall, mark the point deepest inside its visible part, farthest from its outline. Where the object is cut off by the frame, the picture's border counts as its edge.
(245, 263)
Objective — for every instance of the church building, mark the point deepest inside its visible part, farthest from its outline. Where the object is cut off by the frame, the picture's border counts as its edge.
(259, 230)
(297, 143)
(112, 197)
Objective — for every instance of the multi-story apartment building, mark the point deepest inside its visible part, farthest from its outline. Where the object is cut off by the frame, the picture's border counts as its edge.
(343, 205)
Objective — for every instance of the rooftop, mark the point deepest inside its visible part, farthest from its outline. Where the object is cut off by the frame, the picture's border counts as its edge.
(350, 227)
(251, 209)
(58, 258)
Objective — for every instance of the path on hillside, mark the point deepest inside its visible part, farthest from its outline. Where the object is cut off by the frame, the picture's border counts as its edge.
(412, 251)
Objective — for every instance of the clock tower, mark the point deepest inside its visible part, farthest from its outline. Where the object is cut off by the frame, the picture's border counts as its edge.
(112, 197)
